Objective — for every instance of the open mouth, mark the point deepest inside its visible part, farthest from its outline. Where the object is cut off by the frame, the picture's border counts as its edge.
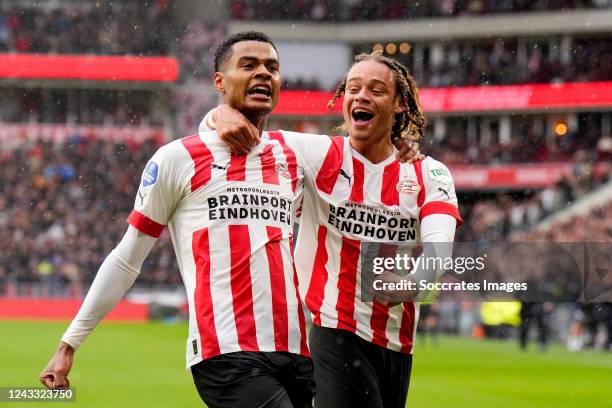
(260, 90)
(362, 116)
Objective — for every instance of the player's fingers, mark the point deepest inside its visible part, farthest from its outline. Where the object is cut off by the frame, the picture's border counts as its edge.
(402, 153)
(254, 133)
(235, 145)
(242, 139)
(399, 142)
(61, 382)
(415, 153)
(226, 136)
(231, 146)
(240, 135)
(46, 379)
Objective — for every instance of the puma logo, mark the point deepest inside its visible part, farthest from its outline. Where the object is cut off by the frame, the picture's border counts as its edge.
(142, 197)
(444, 191)
(219, 167)
(346, 176)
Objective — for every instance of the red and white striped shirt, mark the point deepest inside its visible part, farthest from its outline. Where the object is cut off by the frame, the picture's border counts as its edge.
(347, 201)
(230, 220)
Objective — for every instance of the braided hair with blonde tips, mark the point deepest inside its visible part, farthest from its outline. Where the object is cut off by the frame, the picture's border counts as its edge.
(410, 122)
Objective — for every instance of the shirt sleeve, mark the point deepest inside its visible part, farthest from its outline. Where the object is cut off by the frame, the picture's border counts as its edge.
(206, 124)
(115, 276)
(440, 196)
(310, 149)
(158, 193)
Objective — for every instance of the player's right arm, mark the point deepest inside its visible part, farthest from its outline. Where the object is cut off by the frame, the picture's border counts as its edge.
(158, 194)
(241, 135)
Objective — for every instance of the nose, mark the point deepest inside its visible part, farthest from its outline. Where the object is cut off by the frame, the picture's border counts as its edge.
(363, 95)
(263, 73)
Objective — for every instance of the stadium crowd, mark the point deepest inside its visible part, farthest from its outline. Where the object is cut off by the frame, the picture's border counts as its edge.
(64, 207)
(524, 145)
(498, 217)
(596, 226)
(126, 27)
(500, 61)
(358, 10)
(497, 62)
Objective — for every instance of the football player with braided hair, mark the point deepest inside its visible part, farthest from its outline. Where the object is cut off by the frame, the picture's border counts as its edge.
(358, 196)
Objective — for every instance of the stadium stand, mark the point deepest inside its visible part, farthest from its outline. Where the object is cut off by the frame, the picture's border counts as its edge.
(60, 215)
(365, 10)
(92, 28)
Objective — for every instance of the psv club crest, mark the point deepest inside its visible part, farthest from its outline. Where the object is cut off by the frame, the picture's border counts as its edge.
(283, 170)
(408, 185)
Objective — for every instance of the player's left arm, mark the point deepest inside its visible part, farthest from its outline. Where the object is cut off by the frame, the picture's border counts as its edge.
(440, 218)
(437, 235)
(440, 195)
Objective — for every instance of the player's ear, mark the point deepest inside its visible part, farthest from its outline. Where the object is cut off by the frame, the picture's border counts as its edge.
(218, 81)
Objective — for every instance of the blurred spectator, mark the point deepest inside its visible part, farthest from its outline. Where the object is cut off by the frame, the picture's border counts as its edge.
(63, 208)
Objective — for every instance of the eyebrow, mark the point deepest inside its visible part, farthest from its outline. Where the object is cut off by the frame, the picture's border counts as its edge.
(373, 80)
(255, 59)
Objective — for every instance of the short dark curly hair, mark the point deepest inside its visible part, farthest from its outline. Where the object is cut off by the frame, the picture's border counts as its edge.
(224, 50)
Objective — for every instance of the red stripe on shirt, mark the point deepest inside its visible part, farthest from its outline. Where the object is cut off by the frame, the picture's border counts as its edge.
(242, 287)
(441, 207)
(268, 166)
(406, 334)
(301, 317)
(378, 323)
(278, 289)
(418, 169)
(380, 313)
(318, 280)
(144, 224)
(236, 168)
(389, 194)
(289, 156)
(357, 188)
(330, 169)
(202, 159)
(347, 284)
(204, 314)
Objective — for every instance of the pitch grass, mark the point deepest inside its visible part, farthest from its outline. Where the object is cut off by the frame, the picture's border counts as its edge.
(142, 365)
